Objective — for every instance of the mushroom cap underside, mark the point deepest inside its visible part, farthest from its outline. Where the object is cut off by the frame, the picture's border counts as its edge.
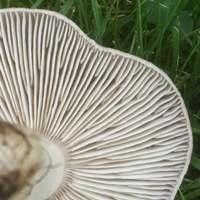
(121, 123)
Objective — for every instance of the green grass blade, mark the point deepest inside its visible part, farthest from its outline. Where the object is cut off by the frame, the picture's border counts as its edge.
(8, 3)
(193, 195)
(196, 131)
(191, 186)
(181, 195)
(195, 162)
(83, 15)
(175, 47)
(191, 54)
(37, 3)
(161, 31)
(107, 18)
(98, 18)
(66, 7)
(140, 51)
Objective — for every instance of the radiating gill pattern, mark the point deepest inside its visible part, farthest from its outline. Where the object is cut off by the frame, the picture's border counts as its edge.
(119, 121)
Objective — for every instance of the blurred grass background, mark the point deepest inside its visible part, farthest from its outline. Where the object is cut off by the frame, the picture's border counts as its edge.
(165, 32)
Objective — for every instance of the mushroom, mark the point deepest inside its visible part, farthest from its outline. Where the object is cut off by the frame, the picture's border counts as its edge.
(105, 125)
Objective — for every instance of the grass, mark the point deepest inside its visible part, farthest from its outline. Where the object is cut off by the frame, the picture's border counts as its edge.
(165, 32)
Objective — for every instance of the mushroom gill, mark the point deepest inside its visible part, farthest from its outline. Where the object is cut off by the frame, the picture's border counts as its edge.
(117, 123)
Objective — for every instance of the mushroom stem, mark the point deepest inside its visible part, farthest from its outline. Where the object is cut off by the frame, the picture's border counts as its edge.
(50, 175)
(30, 166)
